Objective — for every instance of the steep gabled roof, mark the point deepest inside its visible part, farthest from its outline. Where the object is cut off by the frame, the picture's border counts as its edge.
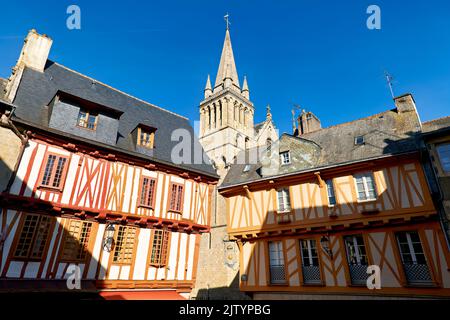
(386, 133)
(37, 89)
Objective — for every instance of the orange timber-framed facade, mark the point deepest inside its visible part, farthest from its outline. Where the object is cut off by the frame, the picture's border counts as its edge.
(322, 246)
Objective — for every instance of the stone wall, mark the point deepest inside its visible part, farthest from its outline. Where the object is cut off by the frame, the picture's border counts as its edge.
(218, 264)
(9, 152)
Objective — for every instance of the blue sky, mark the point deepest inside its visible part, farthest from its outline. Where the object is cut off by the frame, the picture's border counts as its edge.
(318, 54)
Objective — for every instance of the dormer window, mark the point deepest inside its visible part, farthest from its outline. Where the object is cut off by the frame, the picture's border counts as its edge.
(87, 119)
(285, 157)
(146, 137)
(246, 168)
(359, 140)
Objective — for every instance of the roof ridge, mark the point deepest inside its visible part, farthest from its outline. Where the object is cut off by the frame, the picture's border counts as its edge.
(348, 122)
(437, 119)
(119, 91)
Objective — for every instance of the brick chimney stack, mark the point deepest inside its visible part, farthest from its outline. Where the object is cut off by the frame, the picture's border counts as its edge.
(307, 122)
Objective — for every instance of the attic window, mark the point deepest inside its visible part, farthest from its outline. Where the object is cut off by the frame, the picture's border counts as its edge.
(87, 119)
(246, 168)
(359, 140)
(146, 137)
(285, 157)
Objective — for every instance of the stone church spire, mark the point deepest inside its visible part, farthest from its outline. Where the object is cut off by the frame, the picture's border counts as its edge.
(208, 89)
(245, 91)
(227, 67)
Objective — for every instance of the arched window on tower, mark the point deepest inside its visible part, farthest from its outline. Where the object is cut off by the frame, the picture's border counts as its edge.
(220, 113)
(269, 146)
(209, 117)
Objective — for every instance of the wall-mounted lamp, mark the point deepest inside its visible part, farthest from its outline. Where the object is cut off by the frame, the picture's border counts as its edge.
(244, 277)
(108, 241)
(325, 243)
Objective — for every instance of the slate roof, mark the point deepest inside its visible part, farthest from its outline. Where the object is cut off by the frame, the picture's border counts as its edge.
(386, 133)
(258, 126)
(436, 125)
(37, 89)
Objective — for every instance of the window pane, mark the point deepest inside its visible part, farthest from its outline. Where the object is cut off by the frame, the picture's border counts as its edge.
(444, 156)
(48, 170)
(26, 236)
(123, 250)
(58, 172)
(91, 121)
(330, 191)
(365, 186)
(82, 118)
(284, 203)
(159, 247)
(43, 229)
(276, 263)
(413, 258)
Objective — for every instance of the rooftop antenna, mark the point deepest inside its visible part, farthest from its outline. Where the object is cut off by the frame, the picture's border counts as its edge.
(294, 109)
(389, 80)
(227, 20)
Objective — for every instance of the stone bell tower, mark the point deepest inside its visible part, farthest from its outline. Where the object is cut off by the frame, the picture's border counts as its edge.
(226, 113)
(226, 128)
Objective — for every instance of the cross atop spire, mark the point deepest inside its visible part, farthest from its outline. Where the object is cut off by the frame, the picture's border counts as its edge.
(227, 20)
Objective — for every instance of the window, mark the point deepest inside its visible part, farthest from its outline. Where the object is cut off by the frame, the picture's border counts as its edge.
(160, 247)
(87, 120)
(269, 146)
(310, 262)
(359, 140)
(147, 192)
(176, 198)
(413, 258)
(284, 202)
(246, 168)
(33, 236)
(54, 171)
(124, 245)
(146, 138)
(76, 240)
(247, 143)
(357, 259)
(276, 261)
(330, 192)
(443, 151)
(285, 157)
(365, 187)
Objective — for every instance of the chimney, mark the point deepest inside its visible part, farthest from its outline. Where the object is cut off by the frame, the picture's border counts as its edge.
(35, 51)
(307, 122)
(405, 103)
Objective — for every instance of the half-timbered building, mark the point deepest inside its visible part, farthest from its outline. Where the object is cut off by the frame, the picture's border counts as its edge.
(341, 211)
(95, 191)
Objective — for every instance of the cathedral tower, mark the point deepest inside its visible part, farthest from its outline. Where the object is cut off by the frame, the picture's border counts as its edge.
(226, 113)
(226, 128)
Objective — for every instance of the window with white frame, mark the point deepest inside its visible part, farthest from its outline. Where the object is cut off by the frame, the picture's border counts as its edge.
(285, 157)
(276, 263)
(284, 201)
(413, 258)
(356, 258)
(310, 261)
(443, 151)
(365, 186)
(330, 192)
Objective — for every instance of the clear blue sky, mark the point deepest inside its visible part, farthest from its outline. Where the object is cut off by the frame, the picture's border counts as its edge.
(318, 54)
